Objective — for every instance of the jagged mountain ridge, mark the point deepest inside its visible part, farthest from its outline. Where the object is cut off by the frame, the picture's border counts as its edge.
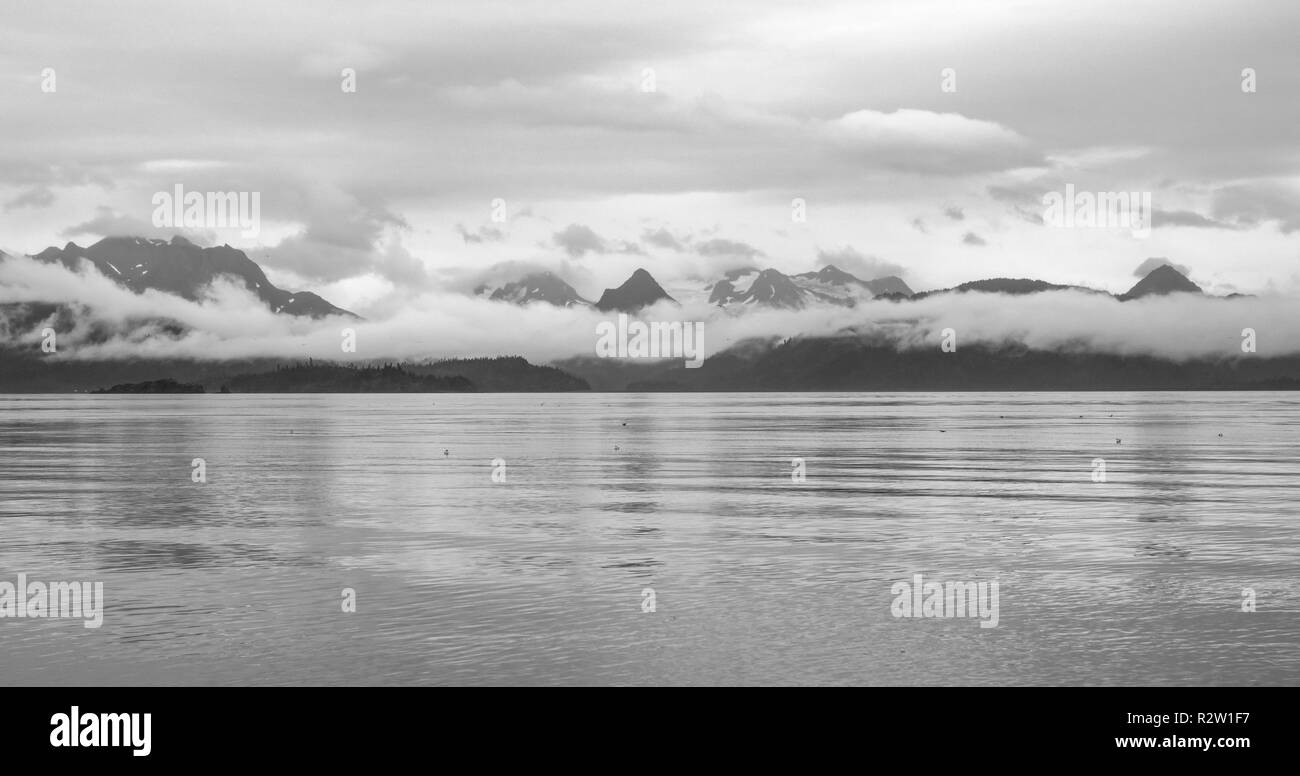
(182, 268)
(751, 286)
(772, 288)
(546, 287)
(638, 291)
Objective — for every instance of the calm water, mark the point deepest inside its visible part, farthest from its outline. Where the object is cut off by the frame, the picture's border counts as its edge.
(757, 579)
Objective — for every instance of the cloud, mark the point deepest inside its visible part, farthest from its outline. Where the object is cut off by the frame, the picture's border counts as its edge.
(719, 248)
(497, 274)
(855, 263)
(1020, 193)
(928, 142)
(541, 103)
(1250, 204)
(398, 265)
(571, 139)
(481, 235)
(1145, 268)
(577, 240)
(109, 223)
(34, 197)
(1165, 218)
(662, 238)
(970, 238)
(954, 213)
(1024, 197)
(225, 312)
(341, 234)
(1167, 326)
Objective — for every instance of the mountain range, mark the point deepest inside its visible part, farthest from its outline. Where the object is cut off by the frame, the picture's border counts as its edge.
(535, 287)
(182, 268)
(750, 287)
(829, 362)
(772, 288)
(738, 288)
(637, 292)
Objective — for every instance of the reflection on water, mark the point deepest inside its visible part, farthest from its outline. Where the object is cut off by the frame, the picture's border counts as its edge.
(758, 579)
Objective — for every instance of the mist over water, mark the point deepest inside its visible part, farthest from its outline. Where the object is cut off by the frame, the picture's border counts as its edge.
(758, 579)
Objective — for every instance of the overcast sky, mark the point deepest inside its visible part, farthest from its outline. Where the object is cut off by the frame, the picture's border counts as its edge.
(375, 197)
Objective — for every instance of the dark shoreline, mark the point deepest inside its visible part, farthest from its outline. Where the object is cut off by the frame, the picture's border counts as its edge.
(824, 365)
(675, 392)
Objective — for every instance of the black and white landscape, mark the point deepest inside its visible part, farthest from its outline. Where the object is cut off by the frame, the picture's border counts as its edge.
(847, 343)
